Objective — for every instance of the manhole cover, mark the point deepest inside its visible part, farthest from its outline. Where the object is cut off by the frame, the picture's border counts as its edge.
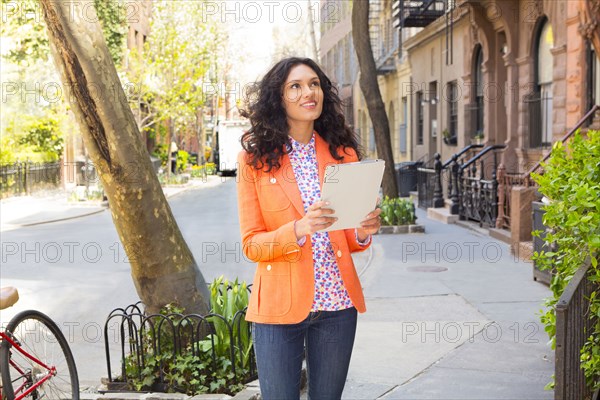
(427, 268)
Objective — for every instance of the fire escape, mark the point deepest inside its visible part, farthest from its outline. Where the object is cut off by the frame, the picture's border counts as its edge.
(419, 14)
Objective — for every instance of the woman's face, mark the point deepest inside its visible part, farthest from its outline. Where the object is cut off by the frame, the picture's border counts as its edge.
(302, 95)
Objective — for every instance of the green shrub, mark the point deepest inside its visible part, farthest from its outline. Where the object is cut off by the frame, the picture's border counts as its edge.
(183, 158)
(198, 171)
(571, 181)
(201, 171)
(43, 135)
(211, 168)
(397, 211)
(172, 179)
(201, 366)
(160, 151)
(227, 299)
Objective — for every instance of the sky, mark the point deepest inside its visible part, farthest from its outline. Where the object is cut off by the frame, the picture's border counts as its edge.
(252, 25)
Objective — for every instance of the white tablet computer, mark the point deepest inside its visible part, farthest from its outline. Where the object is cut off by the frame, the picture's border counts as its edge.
(352, 190)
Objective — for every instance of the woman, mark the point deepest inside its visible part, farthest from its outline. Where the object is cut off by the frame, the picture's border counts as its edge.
(306, 291)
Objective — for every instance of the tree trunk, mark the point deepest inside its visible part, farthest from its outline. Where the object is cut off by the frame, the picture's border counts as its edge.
(370, 89)
(162, 265)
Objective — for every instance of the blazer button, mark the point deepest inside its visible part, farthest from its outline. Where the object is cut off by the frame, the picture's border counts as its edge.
(269, 267)
(339, 253)
(273, 180)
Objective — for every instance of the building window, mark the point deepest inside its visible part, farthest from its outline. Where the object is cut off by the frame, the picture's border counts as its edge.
(433, 115)
(478, 87)
(593, 77)
(404, 113)
(419, 107)
(540, 101)
(452, 109)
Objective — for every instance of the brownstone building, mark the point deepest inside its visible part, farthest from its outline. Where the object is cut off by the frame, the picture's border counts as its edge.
(494, 82)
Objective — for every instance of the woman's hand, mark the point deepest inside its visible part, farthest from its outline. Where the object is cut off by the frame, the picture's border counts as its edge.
(317, 217)
(370, 225)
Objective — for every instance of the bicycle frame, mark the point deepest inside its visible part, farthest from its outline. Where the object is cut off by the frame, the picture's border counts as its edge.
(51, 371)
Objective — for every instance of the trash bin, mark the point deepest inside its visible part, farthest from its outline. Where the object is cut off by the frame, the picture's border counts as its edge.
(156, 163)
(85, 173)
(406, 177)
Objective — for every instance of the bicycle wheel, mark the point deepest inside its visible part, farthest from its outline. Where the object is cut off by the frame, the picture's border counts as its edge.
(39, 336)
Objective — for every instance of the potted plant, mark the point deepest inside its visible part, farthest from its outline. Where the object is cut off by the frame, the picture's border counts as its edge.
(479, 137)
(398, 216)
(448, 138)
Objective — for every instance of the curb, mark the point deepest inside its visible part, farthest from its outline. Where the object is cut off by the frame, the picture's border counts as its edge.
(150, 396)
(57, 219)
(105, 206)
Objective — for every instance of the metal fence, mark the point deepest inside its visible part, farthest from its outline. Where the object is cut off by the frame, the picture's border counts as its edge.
(26, 177)
(152, 342)
(573, 326)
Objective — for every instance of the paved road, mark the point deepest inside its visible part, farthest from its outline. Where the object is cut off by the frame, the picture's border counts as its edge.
(451, 313)
(76, 271)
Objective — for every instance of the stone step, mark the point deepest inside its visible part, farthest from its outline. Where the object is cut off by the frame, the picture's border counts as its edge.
(501, 234)
(442, 215)
(522, 250)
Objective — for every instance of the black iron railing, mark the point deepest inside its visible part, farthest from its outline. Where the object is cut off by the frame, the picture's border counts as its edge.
(573, 326)
(144, 340)
(420, 13)
(432, 195)
(478, 187)
(26, 177)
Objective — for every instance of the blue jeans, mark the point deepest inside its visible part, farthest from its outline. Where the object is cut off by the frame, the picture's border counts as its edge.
(326, 336)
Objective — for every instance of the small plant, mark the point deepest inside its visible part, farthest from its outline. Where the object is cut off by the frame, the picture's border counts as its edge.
(201, 171)
(160, 151)
(183, 158)
(448, 138)
(397, 211)
(228, 300)
(211, 168)
(170, 357)
(82, 193)
(173, 179)
(198, 171)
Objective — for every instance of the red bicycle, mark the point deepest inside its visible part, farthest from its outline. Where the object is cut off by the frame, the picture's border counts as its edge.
(35, 359)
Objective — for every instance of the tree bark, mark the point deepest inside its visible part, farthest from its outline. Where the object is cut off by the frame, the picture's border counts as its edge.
(370, 89)
(162, 265)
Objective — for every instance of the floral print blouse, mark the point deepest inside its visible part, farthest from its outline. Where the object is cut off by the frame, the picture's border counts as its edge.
(330, 293)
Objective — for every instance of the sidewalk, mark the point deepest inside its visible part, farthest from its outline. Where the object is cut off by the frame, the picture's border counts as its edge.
(451, 314)
(48, 207)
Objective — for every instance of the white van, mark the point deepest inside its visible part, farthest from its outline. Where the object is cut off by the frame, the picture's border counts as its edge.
(228, 145)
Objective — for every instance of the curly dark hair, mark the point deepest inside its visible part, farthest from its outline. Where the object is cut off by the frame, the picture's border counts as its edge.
(267, 140)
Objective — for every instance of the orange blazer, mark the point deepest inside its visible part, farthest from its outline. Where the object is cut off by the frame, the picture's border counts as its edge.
(269, 203)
